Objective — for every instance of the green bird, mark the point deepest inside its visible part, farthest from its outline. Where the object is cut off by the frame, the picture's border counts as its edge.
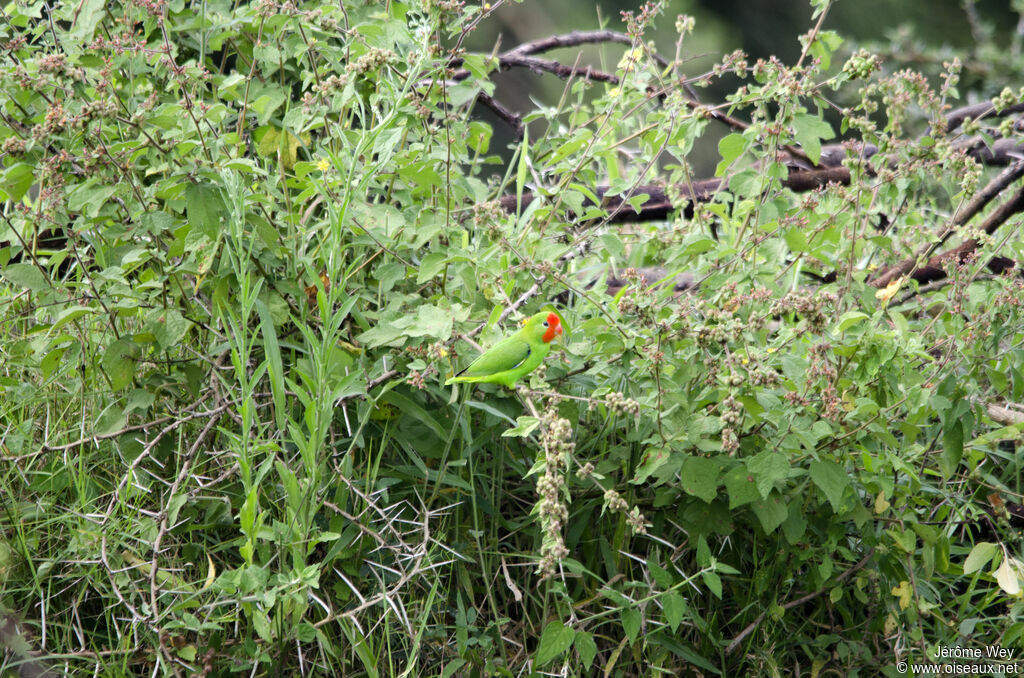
(514, 356)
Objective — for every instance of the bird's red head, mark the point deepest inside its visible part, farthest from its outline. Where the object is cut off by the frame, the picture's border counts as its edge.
(554, 325)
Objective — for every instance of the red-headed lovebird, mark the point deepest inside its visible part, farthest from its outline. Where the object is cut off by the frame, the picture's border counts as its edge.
(514, 356)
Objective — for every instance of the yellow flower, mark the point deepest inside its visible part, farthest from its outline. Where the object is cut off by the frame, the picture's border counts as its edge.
(323, 165)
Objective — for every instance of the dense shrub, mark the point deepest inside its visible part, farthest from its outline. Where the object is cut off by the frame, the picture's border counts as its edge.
(245, 243)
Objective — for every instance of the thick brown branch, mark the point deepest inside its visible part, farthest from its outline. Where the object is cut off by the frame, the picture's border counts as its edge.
(932, 270)
(573, 39)
(985, 109)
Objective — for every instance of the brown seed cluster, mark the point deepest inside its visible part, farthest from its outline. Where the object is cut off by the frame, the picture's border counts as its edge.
(555, 434)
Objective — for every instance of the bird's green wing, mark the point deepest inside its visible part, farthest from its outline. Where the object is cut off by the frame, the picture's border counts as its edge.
(507, 354)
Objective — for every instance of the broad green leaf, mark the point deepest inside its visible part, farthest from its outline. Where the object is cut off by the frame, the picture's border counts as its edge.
(674, 606)
(652, 460)
(700, 477)
(631, 621)
(524, 426)
(809, 130)
(554, 641)
(15, 181)
(768, 468)
(586, 648)
(979, 556)
(119, 362)
(849, 319)
(713, 582)
(205, 208)
(26, 275)
(832, 479)
(730, 147)
(169, 328)
(772, 512)
(740, 486)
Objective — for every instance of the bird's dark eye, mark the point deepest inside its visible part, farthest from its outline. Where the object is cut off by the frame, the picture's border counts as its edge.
(545, 323)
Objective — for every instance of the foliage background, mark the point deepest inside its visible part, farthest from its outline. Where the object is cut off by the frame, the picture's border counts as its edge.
(243, 245)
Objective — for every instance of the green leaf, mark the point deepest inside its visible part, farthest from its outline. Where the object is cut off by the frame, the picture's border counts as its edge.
(451, 668)
(952, 448)
(652, 460)
(70, 314)
(585, 647)
(205, 207)
(524, 426)
(27, 276)
(660, 575)
(275, 368)
(119, 361)
(169, 328)
(772, 512)
(740, 486)
(730, 147)
(431, 265)
(15, 181)
(554, 641)
(809, 130)
(713, 582)
(87, 16)
(980, 556)
(796, 239)
(431, 321)
(849, 319)
(631, 621)
(832, 479)
(89, 196)
(674, 606)
(768, 468)
(700, 477)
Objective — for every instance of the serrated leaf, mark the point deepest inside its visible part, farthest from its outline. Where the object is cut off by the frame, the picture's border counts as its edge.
(700, 477)
(849, 319)
(832, 479)
(27, 276)
(713, 582)
(119, 362)
(585, 647)
(809, 130)
(768, 468)
(730, 147)
(524, 426)
(554, 641)
(674, 606)
(740, 486)
(771, 512)
(631, 621)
